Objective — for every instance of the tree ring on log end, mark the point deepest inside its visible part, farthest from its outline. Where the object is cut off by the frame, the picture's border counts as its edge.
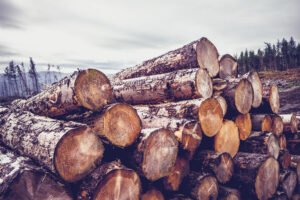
(244, 124)
(277, 125)
(204, 85)
(228, 67)
(273, 146)
(274, 99)
(257, 88)
(207, 56)
(224, 168)
(267, 179)
(210, 116)
(266, 125)
(160, 154)
(294, 123)
(77, 154)
(191, 136)
(223, 104)
(119, 184)
(243, 96)
(92, 89)
(206, 188)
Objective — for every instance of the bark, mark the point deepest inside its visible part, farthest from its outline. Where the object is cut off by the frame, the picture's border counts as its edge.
(256, 173)
(220, 164)
(290, 123)
(88, 89)
(153, 194)
(288, 182)
(182, 58)
(226, 193)
(263, 143)
(67, 148)
(111, 181)
(20, 178)
(227, 139)
(156, 153)
(228, 67)
(173, 86)
(244, 124)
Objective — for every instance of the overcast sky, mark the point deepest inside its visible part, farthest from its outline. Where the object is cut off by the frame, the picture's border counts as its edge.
(111, 35)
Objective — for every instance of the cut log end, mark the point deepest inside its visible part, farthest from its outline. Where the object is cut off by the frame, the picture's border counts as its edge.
(274, 99)
(294, 123)
(244, 124)
(285, 159)
(273, 146)
(227, 139)
(282, 142)
(160, 154)
(267, 179)
(289, 182)
(207, 56)
(243, 96)
(223, 104)
(266, 125)
(77, 154)
(210, 116)
(119, 184)
(277, 125)
(207, 188)
(228, 67)
(203, 82)
(120, 124)
(226, 193)
(92, 89)
(257, 88)
(153, 194)
(224, 168)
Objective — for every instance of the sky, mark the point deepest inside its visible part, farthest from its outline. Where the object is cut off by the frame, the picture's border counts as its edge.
(112, 35)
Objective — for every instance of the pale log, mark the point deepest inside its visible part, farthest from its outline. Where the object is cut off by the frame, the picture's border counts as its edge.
(228, 67)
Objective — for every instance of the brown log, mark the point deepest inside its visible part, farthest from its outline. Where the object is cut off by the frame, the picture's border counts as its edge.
(153, 194)
(296, 197)
(279, 195)
(263, 143)
(179, 171)
(227, 139)
(288, 182)
(282, 142)
(223, 104)
(89, 88)
(277, 125)
(221, 164)
(256, 173)
(256, 83)
(186, 57)
(210, 116)
(111, 181)
(20, 178)
(156, 153)
(290, 123)
(67, 148)
(270, 102)
(173, 86)
(284, 159)
(226, 193)
(261, 122)
(228, 67)
(244, 124)
(202, 186)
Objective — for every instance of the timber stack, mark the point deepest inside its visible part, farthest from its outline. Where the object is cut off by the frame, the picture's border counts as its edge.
(183, 125)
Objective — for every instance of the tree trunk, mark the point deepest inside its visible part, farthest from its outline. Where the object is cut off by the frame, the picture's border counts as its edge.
(227, 139)
(67, 148)
(20, 178)
(156, 153)
(153, 194)
(173, 86)
(226, 193)
(256, 173)
(221, 164)
(201, 51)
(244, 124)
(263, 143)
(88, 88)
(228, 67)
(290, 123)
(111, 181)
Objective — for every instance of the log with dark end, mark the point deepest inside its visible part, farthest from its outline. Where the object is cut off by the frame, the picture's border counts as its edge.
(261, 122)
(153, 194)
(227, 139)
(156, 153)
(119, 124)
(228, 67)
(288, 182)
(255, 81)
(244, 124)
(284, 159)
(226, 193)
(210, 116)
(221, 164)
(89, 88)
(180, 170)
(207, 56)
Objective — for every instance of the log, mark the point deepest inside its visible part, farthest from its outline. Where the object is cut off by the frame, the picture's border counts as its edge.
(202, 186)
(111, 181)
(227, 139)
(210, 116)
(20, 178)
(277, 125)
(220, 164)
(263, 143)
(296, 197)
(290, 123)
(261, 122)
(228, 67)
(179, 197)
(256, 173)
(226, 193)
(256, 83)
(279, 195)
(284, 159)
(88, 89)
(186, 57)
(156, 153)
(270, 101)
(173, 86)
(288, 182)
(153, 194)
(244, 124)
(67, 148)
(179, 171)
(282, 142)
(223, 104)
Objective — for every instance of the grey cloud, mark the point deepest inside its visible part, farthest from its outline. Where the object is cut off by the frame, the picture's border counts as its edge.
(5, 51)
(8, 15)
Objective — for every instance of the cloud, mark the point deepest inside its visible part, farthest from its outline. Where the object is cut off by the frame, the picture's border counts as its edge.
(5, 51)
(8, 15)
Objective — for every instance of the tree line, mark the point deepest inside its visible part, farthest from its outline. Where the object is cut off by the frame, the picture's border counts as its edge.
(280, 56)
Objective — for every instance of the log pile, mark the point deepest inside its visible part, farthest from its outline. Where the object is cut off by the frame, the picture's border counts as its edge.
(184, 125)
